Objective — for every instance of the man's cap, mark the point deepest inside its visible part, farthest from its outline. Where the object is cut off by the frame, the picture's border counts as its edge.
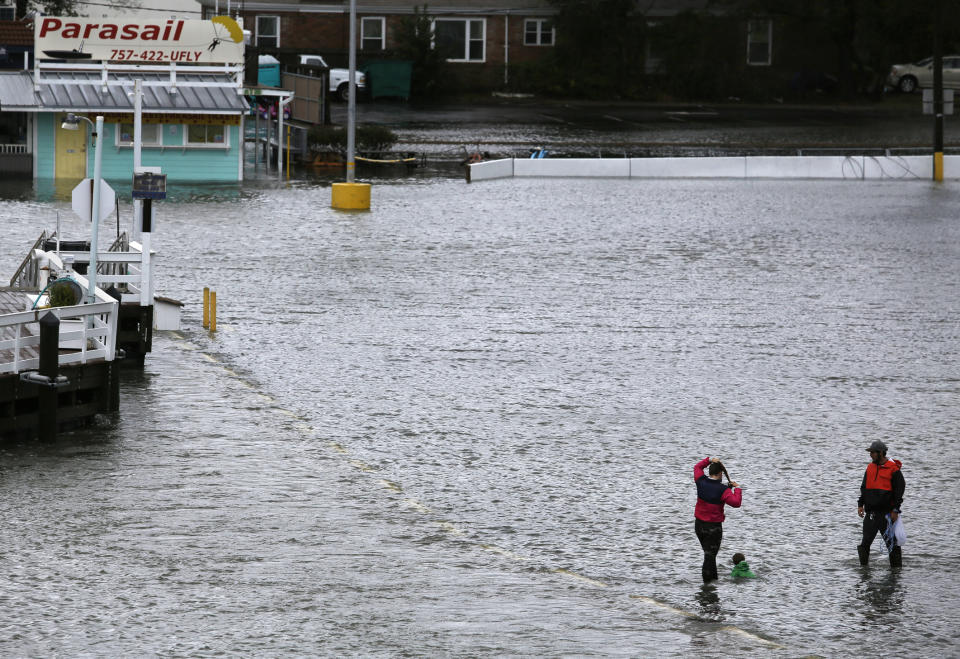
(878, 446)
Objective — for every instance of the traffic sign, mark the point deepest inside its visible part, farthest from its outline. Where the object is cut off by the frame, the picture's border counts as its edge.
(83, 199)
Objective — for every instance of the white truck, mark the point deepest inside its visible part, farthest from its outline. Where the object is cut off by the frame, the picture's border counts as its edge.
(339, 78)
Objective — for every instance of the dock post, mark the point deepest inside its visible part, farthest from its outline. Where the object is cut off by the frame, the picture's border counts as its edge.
(213, 311)
(206, 306)
(49, 367)
(113, 398)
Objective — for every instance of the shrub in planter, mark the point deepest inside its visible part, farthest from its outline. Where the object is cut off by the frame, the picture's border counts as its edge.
(64, 293)
(370, 140)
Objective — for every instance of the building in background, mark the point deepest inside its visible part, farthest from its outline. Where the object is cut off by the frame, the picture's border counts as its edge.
(191, 75)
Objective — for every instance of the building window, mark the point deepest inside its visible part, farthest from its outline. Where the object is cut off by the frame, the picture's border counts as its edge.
(206, 135)
(268, 31)
(538, 32)
(7, 13)
(759, 42)
(149, 134)
(460, 39)
(373, 34)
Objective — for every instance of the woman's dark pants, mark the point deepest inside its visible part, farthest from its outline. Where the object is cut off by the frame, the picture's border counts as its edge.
(710, 535)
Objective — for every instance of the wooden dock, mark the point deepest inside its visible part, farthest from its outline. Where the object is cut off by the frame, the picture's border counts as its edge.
(59, 366)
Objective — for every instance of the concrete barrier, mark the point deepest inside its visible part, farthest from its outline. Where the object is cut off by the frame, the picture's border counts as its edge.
(790, 167)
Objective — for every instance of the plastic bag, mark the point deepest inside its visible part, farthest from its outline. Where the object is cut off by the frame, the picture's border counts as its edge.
(894, 535)
(899, 532)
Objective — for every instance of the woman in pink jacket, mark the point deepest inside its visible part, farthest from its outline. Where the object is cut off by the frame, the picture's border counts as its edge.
(712, 494)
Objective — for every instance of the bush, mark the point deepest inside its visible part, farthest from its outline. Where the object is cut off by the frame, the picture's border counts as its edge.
(370, 140)
(63, 294)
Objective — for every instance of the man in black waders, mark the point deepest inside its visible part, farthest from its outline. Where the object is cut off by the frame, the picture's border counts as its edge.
(881, 492)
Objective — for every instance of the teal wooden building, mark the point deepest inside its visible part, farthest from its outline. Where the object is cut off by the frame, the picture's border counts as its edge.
(191, 119)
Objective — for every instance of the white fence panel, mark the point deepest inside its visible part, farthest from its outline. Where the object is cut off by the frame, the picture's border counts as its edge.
(775, 167)
(485, 171)
(576, 167)
(721, 167)
(805, 167)
(903, 167)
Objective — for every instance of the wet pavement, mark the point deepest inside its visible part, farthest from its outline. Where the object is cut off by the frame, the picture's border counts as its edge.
(513, 126)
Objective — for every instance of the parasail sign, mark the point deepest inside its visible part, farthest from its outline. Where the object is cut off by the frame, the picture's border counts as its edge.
(217, 41)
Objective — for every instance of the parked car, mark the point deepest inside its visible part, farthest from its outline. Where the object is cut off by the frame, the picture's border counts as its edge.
(339, 78)
(908, 77)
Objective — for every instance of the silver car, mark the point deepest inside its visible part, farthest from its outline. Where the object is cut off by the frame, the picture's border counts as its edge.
(908, 77)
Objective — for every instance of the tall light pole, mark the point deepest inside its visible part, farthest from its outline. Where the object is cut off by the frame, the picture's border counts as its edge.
(351, 195)
(72, 123)
(352, 101)
(937, 92)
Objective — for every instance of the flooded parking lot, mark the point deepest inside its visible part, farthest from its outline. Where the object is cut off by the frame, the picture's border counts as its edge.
(464, 424)
(512, 127)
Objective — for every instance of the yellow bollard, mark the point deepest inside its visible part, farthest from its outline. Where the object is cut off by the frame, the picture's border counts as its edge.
(938, 166)
(213, 311)
(206, 306)
(351, 196)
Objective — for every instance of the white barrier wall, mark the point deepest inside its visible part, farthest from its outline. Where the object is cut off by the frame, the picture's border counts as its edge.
(580, 167)
(720, 167)
(800, 167)
(491, 169)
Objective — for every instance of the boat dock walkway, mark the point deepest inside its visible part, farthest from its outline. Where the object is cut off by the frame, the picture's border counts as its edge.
(58, 372)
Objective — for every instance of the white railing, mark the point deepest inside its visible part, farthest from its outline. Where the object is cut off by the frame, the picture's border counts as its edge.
(7, 149)
(91, 327)
(122, 266)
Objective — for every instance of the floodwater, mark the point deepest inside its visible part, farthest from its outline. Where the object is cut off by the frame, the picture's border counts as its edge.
(464, 424)
(598, 128)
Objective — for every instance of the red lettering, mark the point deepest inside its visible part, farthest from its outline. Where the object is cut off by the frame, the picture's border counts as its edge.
(49, 25)
(108, 31)
(166, 31)
(176, 36)
(71, 31)
(196, 56)
(90, 27)
(151, 33)
(129, 31)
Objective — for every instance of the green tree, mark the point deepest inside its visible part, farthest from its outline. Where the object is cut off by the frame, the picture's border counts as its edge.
(414, 38)
(600, 46)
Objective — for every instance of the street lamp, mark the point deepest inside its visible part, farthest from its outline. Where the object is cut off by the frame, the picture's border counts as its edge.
(72, 122)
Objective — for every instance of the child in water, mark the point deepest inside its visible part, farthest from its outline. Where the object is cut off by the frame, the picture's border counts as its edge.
(740, 567)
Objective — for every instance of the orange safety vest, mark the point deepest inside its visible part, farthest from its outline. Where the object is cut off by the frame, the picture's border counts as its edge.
(879, 476)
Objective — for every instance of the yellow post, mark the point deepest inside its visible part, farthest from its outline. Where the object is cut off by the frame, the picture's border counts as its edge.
(351, 196)
(213, 311)
(206, 306)
(938, 166)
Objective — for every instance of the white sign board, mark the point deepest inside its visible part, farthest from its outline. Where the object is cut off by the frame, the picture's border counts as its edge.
(83, 199)
(141, 39)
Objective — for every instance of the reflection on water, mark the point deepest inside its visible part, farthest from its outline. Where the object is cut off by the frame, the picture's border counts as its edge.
(881, 592)
(708, 602)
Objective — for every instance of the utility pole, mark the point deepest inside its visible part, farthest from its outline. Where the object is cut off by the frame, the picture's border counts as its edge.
(937, 92)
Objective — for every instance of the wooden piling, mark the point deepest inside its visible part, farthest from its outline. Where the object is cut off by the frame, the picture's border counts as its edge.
(49, 367)
(213, 311)
(206, 306)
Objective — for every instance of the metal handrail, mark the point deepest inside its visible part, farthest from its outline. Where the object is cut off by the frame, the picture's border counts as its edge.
(28, 261)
